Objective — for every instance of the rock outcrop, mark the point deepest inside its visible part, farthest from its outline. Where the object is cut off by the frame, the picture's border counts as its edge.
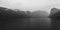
(55, 13)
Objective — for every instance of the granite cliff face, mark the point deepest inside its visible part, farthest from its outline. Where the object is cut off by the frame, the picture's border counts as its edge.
(55, 13)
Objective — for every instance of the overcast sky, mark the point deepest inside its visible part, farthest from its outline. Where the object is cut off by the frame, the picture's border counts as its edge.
(31, 5)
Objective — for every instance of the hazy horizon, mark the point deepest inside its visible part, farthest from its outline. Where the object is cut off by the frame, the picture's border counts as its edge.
(30, 5)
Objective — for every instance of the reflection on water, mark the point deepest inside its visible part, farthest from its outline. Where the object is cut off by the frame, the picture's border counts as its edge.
(32, 24)
(41, 23)
(55, 24)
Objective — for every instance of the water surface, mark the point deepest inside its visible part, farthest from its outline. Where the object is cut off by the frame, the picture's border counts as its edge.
(32, 24)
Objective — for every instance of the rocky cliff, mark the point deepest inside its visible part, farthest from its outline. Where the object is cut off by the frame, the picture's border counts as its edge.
(55, 13)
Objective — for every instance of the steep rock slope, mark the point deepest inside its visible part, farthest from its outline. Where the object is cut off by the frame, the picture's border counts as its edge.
(55, 13)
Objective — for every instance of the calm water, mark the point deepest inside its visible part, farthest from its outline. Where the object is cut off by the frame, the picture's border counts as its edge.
(31, 24)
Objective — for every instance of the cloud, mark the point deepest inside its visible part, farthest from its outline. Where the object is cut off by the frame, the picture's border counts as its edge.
(30, 5)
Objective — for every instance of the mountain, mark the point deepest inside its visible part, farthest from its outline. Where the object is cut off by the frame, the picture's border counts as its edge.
(9, 13)
(55, 13)
(39, 14)
(5, 12)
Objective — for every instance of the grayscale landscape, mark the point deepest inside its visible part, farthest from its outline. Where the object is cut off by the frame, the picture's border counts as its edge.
(29, 14)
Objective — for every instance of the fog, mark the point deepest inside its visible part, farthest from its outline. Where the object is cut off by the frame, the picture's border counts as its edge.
(30, 5)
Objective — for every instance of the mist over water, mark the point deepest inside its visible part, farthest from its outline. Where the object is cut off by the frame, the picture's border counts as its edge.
(12, 20)
(39, 21)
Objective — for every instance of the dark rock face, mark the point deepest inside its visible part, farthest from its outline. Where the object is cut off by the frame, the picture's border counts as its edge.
(6, 13)
(55, 13)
